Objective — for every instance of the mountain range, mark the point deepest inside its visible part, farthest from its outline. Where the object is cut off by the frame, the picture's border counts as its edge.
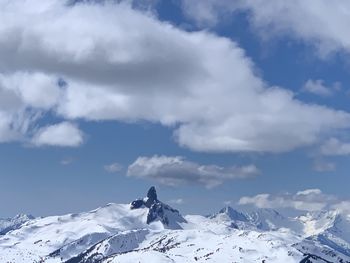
(148, 230)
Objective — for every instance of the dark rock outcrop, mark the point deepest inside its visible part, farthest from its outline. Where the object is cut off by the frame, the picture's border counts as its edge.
(138, 203)
(152, 194)
(151, 197)
(157, 210)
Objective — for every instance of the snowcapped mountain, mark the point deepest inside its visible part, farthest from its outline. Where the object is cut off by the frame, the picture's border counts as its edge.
(261, 219)
(8, 224)
(147, 230)
(157, 210)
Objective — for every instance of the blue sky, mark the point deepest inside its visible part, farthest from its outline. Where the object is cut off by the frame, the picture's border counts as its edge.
(213, 102)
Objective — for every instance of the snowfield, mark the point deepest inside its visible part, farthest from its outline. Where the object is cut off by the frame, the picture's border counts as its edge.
(116, 233)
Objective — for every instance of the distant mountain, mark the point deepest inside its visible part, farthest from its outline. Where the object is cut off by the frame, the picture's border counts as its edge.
(228, 213)
(148, 230)
(9, 224)
(261, 219)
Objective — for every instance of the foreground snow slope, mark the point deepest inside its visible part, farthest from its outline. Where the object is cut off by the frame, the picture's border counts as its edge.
(151, 231)
(40, 237)
(205, 246)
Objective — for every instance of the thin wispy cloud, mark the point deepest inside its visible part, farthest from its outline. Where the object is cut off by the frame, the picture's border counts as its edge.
(318, 87)
(307, 200)
(322, 23)
(321, 165)
(178, 201)
(334, 146)
(113, 167)
(67, 161)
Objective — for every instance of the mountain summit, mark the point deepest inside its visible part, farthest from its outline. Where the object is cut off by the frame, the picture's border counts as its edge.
(157, 210)
(148, 230)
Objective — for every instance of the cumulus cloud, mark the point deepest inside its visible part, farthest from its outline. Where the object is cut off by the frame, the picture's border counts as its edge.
(36, 90)
(113, 167)
(307, 200)
(319, 22)
(334, 146)
(120, 63)
(24, 97)
(62, 134)
(174, 171)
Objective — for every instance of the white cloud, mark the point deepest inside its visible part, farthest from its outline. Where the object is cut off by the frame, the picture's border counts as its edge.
(343, 206)
(63, 134)
(208, 12)
(35, 90)
(324, 166)
(14, 125)
(7, 133)
(67, 161)
(335, 147)
(321, 23)
(178, 201)
(113, 167)
(317, 87)
(129, 66)
(24, 97)
(309, 192)
(177, 170)
(307, 200)
(227, 202)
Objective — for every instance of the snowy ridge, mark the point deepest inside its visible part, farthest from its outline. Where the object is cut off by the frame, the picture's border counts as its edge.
(120, 243)
(148, 230)
(9, 224)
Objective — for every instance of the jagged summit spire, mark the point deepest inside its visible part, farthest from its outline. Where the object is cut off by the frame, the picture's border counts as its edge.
(157, 210)
(152, 193)
(151, 197)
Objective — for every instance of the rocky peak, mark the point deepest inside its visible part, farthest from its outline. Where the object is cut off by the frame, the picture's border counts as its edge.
(233, 214)
(152, 194)
(151, 197)
(157, 210)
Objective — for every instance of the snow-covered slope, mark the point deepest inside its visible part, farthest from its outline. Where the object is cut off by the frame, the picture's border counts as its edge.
(9, 224)
(194, 245)
(148, 230)
(43, 236)
(327, 235)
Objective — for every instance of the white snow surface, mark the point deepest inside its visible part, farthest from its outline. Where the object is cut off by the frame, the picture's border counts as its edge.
(115, 233)
(9, 224)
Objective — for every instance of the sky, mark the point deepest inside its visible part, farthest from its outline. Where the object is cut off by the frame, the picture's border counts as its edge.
(215, 102)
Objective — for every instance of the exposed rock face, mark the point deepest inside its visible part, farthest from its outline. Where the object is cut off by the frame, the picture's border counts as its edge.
(138, 203)
(152, 194)
(155, 211)
(158, 210)
(151, 197)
